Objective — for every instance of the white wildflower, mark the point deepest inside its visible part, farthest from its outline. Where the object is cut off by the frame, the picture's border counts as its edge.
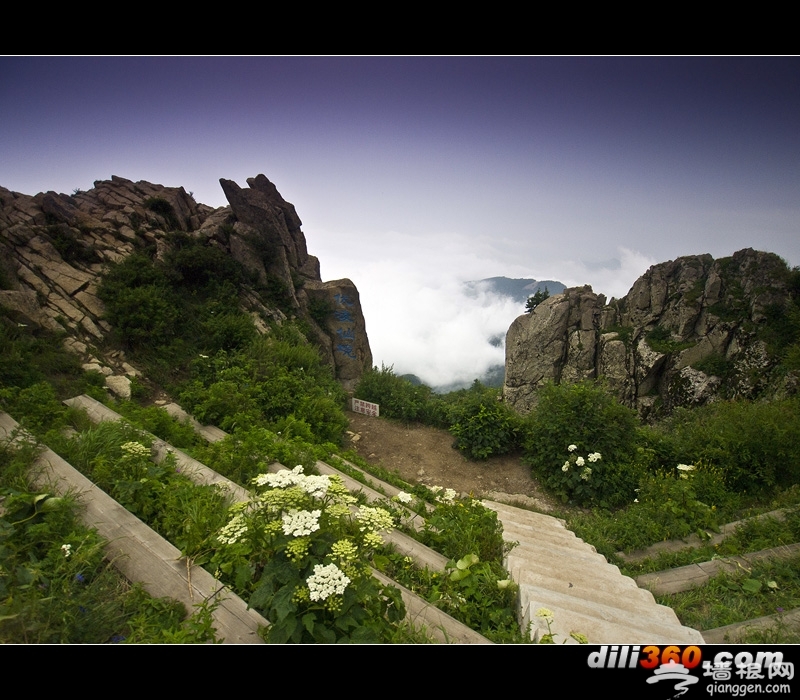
(233, 530)
(301, 522)
(135, 449)
(565, 468)
(326, 581)
(316, 486)
(580, 461)
(635, 500)
(594, 457)
(448, 496)
(374, 519)
(572, 448)
(67, 549)
(686, 467)
(283, 479)
(404, 497)
(545, 613)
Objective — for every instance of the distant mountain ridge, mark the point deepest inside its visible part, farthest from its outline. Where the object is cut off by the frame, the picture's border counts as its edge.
(517, 289)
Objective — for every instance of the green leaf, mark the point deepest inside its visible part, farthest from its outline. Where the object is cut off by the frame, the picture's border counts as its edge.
(467, 561)
(308, 621)
(751, 585)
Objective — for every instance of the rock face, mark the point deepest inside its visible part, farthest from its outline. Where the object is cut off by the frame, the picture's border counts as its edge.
(54, 248)
(690, 331)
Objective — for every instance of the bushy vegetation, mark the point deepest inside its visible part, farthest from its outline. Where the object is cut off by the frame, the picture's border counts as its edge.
(481, 424)
(166, 313)
(277, 381)
(753, 445)
(56, 586)
(180, 319)
(398, 397)
(587, 418)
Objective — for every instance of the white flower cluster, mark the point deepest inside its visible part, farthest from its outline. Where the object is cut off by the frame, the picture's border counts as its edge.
(448, 496)
(283, 479)
(684, 469)
(579, 461)
(299, 523)
(404, 497)
(326, 581)
(67, 549)
(316, 486)
(233, 530)
(374, 519)
(135, 449)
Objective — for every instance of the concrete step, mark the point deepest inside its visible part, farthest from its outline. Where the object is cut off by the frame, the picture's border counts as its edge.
(572, 569)
(585, 593)
(532, 545)
(521, 533)
(589, 589)
(599, 631)
(609, 610)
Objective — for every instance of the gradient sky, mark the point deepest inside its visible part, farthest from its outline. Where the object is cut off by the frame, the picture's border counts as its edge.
(412, 175)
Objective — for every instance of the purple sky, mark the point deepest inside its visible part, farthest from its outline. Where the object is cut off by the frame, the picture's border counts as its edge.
(414, 174)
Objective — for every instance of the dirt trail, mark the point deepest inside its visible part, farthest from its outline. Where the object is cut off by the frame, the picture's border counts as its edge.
(421, 454)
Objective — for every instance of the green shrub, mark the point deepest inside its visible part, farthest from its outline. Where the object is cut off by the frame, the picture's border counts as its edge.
(163, 208)
(753, 444)
(585, 416)
(269, 381)
(398, 398)
(660, 340)
(483, 426)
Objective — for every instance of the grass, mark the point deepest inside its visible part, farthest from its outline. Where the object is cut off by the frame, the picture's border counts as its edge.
(55, 584)
(731, 598)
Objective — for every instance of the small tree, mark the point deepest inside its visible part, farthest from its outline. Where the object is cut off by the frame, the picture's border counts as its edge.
(536, 299)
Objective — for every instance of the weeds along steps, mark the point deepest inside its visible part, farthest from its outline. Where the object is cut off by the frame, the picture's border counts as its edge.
(139, 553)
(443, 627)
(681, 579)
(611, 608)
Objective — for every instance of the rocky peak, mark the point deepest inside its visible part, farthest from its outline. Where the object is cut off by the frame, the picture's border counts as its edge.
(690, 331)
(55, 247)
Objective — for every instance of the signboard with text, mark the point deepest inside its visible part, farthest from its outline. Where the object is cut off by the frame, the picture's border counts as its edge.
(366, 407)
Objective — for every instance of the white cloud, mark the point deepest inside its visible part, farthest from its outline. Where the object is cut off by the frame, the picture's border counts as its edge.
(420, 319)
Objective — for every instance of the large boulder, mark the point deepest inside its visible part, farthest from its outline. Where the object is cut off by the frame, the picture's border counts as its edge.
(690, 331)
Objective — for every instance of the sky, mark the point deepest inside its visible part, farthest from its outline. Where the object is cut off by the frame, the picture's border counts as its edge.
(413, 175)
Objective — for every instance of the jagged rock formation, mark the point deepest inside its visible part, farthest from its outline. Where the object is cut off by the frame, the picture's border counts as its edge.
(54, 248)
(689, 331)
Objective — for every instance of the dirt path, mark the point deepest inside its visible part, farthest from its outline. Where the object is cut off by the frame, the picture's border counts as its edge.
(421, 454)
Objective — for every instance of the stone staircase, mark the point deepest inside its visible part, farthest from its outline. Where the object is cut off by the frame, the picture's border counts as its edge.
(553, 568)
(560, 572)
(436, 623)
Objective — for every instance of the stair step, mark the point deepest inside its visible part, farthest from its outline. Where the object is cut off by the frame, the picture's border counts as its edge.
(600, 631)
(559, 571)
